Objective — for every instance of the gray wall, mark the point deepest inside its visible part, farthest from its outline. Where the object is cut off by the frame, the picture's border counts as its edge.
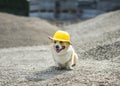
(71, 9)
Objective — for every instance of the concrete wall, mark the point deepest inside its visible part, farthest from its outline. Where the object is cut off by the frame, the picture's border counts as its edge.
(108, 5)
(65, 5)
(71, 9)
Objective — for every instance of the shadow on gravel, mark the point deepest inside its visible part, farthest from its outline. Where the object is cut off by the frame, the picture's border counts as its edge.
(49, 73)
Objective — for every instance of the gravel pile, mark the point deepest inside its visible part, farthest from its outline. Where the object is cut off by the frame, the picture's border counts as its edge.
(99, 37)
(22, 31)
(97, 42)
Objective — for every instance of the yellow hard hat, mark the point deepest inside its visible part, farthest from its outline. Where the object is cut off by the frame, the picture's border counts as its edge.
(61, 36)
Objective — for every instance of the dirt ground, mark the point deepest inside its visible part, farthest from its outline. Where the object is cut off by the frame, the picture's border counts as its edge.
(97, 42)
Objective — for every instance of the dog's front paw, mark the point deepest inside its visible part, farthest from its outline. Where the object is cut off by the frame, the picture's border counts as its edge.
(69, 68)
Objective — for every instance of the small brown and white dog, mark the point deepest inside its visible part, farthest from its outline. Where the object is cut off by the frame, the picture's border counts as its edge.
(63, 54)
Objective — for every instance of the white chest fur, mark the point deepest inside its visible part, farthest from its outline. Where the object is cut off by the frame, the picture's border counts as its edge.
(63, 58)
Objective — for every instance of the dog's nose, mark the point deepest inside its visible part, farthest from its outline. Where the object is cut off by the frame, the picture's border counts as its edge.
(57, 46)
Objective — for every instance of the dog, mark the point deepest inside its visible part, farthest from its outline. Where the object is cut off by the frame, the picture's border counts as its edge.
(63, 52)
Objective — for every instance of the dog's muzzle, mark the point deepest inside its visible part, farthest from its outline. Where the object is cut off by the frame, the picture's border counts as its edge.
(58, 49)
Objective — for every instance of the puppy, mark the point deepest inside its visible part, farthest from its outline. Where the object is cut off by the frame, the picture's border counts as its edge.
(62, 51)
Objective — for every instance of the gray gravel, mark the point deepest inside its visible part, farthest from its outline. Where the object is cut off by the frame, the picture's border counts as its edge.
(34, 66)
(23, 31)
(97, 42)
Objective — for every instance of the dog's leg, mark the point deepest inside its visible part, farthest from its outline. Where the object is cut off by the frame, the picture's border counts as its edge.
(69, 64)
(75, 59)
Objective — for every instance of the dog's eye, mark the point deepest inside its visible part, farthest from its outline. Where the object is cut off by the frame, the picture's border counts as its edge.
(54, 41)
(61, 42)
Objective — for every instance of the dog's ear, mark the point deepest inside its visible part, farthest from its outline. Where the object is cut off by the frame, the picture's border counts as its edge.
(69, 43)
(50, 38)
